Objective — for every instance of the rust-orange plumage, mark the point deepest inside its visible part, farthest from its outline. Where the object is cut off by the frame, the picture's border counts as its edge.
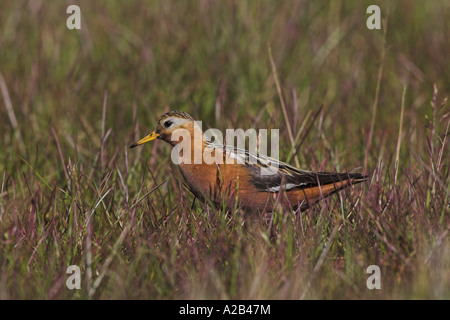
(241, 182)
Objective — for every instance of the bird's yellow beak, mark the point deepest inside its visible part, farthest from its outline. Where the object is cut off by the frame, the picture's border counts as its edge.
(152, 136)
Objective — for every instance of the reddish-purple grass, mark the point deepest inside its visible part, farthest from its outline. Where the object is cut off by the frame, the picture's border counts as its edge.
(72, 193)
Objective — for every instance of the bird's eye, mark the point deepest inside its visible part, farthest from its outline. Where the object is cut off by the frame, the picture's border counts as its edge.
(168, 123)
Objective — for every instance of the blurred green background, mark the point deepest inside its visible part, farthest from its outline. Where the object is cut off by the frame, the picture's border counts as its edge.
(211, 58)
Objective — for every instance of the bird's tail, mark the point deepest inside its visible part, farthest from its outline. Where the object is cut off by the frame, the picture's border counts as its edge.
(328, 183)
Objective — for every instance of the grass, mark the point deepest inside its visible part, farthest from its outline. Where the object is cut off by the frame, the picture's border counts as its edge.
(72, 193)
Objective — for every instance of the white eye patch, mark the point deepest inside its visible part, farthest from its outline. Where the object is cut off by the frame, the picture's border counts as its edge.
(173, 122)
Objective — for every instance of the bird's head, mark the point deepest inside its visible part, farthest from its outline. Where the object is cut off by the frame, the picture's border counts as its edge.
(167, 124)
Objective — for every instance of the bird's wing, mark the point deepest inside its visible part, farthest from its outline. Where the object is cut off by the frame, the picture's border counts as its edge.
(270, 175)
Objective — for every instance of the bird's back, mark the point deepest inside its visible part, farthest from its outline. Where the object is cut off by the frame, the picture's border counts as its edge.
(259, 182)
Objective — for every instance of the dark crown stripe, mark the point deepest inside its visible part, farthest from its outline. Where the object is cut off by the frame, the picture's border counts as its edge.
(178, 114)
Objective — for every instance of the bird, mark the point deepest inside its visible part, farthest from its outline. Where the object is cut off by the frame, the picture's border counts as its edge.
(241, 183)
